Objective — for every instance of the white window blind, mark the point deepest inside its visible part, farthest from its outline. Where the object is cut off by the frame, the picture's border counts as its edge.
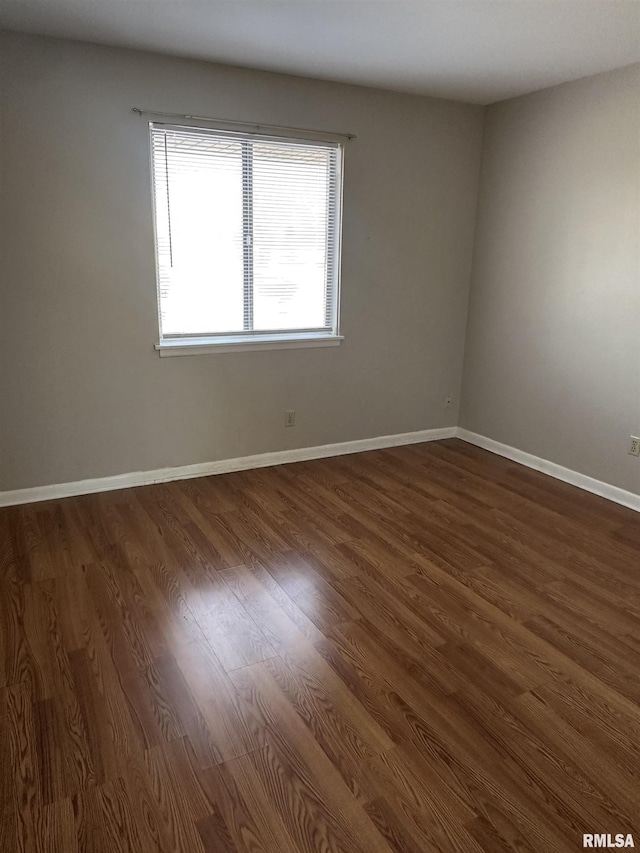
(247, 235)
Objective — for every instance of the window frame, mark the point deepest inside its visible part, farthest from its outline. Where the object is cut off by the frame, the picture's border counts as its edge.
(248, 339)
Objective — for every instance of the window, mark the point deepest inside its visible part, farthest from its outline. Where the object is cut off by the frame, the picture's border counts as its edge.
(247, 239)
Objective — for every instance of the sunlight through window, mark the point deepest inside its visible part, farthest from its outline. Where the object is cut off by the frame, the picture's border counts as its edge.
(247, 234)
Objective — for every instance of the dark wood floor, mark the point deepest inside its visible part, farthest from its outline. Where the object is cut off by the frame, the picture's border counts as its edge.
(419, 649)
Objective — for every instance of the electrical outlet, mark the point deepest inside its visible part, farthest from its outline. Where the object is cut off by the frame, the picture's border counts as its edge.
(634, 446)
(447, 401)
(289, 418)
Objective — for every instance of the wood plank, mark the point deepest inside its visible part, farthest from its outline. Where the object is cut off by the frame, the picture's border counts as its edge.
(308, 777)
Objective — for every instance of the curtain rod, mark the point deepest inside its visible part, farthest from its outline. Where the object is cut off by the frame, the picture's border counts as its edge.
(245, 124)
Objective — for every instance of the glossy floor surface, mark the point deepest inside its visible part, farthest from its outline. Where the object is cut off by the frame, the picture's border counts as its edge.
(426, 648)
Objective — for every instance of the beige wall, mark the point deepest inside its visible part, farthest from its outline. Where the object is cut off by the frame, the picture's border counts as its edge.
(552, 363)
(552, 360)
(83, 394)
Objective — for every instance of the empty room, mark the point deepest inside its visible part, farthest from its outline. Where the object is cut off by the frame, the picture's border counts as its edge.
(319, 426)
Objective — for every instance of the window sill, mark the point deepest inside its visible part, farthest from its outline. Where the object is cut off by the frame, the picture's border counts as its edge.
(206, 346)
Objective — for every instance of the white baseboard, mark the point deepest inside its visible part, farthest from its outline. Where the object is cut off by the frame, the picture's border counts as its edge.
(223, 466)
(589, 484)
(300, 454)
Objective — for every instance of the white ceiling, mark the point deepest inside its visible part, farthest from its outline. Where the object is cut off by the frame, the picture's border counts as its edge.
(472, 50)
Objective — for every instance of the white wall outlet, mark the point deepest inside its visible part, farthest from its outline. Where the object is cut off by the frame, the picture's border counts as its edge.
(634, 446)
(289, 418)
(448, 400)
